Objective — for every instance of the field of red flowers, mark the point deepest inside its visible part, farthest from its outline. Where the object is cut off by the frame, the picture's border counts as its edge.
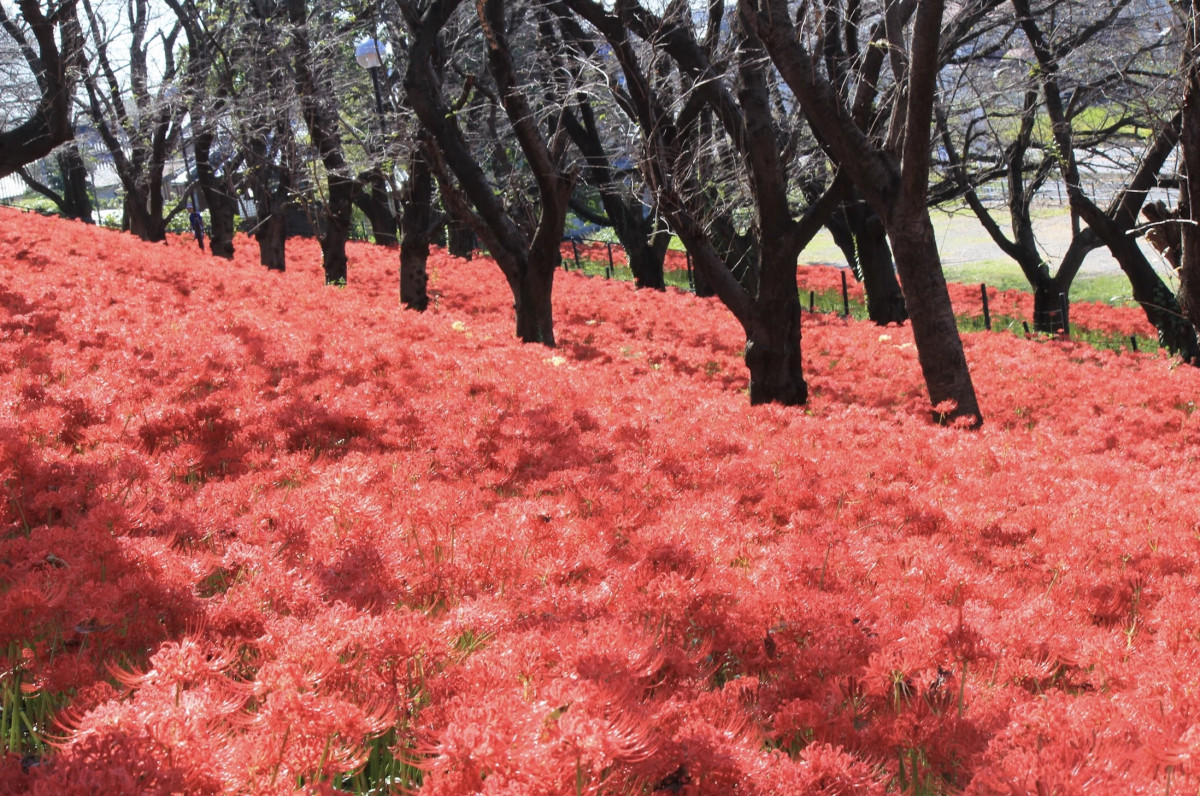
(1117, 323)
(258, 535)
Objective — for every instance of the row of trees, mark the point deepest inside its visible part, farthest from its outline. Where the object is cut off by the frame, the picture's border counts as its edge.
(741, 128)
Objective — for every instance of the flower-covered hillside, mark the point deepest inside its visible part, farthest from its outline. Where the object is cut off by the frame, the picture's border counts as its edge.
(259, 535)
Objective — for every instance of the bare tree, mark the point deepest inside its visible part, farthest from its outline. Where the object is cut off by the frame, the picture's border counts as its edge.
(765, 300)
(1114, 225)
(140, 123)
(209, 82)
(319, 111)
(892, 173)
(640, 228)
(524, 245)
(262, 120)
(50, 41)
(990, 122)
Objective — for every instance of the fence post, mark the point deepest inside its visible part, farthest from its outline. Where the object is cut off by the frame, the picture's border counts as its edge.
(1026, 325)
(1062, 314)
(1133, 342)
(575, 252)
(691, 279)
(610, 259)
(812, 301)
(987, 316)
(845, 297)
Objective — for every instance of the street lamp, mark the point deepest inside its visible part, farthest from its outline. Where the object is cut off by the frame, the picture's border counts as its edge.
(369, 54)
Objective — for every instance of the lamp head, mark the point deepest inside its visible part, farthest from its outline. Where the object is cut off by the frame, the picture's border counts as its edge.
(369, 53)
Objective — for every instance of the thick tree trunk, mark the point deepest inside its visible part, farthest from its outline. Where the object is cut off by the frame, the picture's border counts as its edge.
(77, 202)
(885, 300)
(935, 330)
(773, 337)
(646, 255)
(535, 288)
(222, 204)
(221, 229)
(460, 239)
(339, 213)
(143, 223)
(533, 305)
(271, 235)
(417, 221)
(702, 284)
(414, 256)
(531, 281)
(1047, 305)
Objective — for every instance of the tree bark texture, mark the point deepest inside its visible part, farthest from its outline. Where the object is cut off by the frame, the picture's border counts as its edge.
(218, 195)
(863, 240)
(419, 223)
(1189, 267)
(77, 201)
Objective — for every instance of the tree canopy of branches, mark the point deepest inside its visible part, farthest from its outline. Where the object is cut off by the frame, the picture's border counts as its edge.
(50, 42)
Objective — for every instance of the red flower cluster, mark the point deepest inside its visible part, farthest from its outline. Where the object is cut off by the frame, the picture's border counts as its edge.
(250, 523)
(592, 251)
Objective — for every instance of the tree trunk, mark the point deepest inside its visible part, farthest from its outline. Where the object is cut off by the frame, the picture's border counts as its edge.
(222, 205)
(417, 222)
(532, 289)
(1175, 332)
(460, 240)
(773, 338)
(646, 254)
(885, 300)
(142, 223)
(532, 296)
(271, 235)
(858, 232)
(77, 202)
(414, 255)
(338, 215)
(935, 330)
(1047, 305)
(838, 225)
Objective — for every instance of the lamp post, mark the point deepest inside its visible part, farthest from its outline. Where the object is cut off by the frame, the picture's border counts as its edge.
(369, 54)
